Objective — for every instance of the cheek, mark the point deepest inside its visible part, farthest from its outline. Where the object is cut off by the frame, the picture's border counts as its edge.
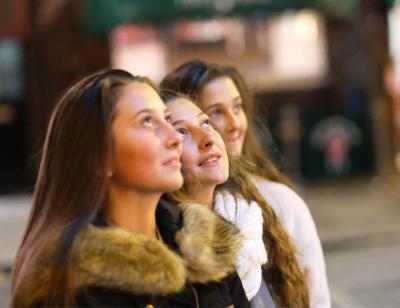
(147, 152)
(243, 121)
(218, 124)
(225, 161)
(137, 153)
(226, 168)
(188, 159)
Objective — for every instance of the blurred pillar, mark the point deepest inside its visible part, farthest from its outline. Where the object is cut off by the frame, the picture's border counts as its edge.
(59, 51)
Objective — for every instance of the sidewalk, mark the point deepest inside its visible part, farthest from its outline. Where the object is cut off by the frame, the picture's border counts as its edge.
(14, 211)
(359, 225)
(354, 207)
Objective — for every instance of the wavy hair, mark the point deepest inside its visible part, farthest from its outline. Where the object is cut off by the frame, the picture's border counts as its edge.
(71, 187)
(282, 273)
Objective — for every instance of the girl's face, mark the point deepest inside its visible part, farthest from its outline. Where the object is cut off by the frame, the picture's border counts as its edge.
(147, 149)
(221, 101)
(204, 158)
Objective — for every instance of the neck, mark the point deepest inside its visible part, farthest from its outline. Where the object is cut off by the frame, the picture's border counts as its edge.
(202, 194)
(132, 211)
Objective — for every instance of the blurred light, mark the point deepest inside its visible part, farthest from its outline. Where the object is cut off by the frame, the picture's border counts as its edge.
(207, 31)
(139, 51)
(230, 32)
(306, 25)
(298, 45)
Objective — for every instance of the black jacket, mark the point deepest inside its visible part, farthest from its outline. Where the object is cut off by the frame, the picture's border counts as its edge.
(193, 267)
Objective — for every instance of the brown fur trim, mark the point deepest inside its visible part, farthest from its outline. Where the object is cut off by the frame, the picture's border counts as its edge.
(114, 258)
(209, 244)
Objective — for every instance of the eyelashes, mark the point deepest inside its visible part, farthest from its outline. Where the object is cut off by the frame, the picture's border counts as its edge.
(151, 121)
(168, 118)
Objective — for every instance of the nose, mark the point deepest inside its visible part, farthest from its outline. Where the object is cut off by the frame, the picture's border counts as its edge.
(173, 139)
(232, 122)
(206, 141)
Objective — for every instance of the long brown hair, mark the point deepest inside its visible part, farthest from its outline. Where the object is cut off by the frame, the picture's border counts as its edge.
(191, 77)
(282, 272)
(71, 188)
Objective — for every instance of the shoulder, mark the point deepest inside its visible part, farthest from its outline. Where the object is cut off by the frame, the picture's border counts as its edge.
(281, 197)
(292, 211)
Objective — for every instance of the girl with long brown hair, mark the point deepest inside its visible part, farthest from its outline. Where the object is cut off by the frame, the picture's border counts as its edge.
(93, 237)
(221, 92)
(267, 257)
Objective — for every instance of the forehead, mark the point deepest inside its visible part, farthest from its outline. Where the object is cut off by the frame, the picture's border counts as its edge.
(219, 90)
(137, 96)
(183, 109)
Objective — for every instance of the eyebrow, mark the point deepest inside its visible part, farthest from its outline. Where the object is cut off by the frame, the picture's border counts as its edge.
(149, 110)
(237, 98)
(201, 113)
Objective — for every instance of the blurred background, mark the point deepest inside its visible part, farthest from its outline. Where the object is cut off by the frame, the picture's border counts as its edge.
(326, 79)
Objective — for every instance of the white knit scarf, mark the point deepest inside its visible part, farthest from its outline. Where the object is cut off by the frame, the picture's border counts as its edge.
(248, 218)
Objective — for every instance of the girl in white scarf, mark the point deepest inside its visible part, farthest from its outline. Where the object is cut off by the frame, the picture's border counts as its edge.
(222, 93)
(205, 165)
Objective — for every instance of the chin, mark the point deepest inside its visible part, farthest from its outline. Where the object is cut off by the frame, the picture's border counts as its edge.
(173, 184)
(234, 150)
(221, 178)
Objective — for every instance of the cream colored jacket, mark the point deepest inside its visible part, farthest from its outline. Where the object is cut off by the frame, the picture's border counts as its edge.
(299, 224)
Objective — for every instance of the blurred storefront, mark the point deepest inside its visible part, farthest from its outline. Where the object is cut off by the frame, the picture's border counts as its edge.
(43, 48)
(315, 67)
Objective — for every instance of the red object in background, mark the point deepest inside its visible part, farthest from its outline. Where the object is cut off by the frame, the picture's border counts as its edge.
(14, 18)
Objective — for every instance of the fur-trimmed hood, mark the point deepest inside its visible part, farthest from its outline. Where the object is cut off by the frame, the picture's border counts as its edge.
(113, 258)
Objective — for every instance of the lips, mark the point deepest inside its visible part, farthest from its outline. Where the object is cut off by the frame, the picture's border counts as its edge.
(210, 160)
(234, 138)
(173, 162)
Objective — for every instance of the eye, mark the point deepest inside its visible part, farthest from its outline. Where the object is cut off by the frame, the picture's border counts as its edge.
(148, 121)
(215, 113)
(237, 108)
(182, 131)
(205, 123)
(168, 118)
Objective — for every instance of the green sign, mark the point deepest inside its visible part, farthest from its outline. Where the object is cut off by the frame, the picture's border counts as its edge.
(103, 15)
